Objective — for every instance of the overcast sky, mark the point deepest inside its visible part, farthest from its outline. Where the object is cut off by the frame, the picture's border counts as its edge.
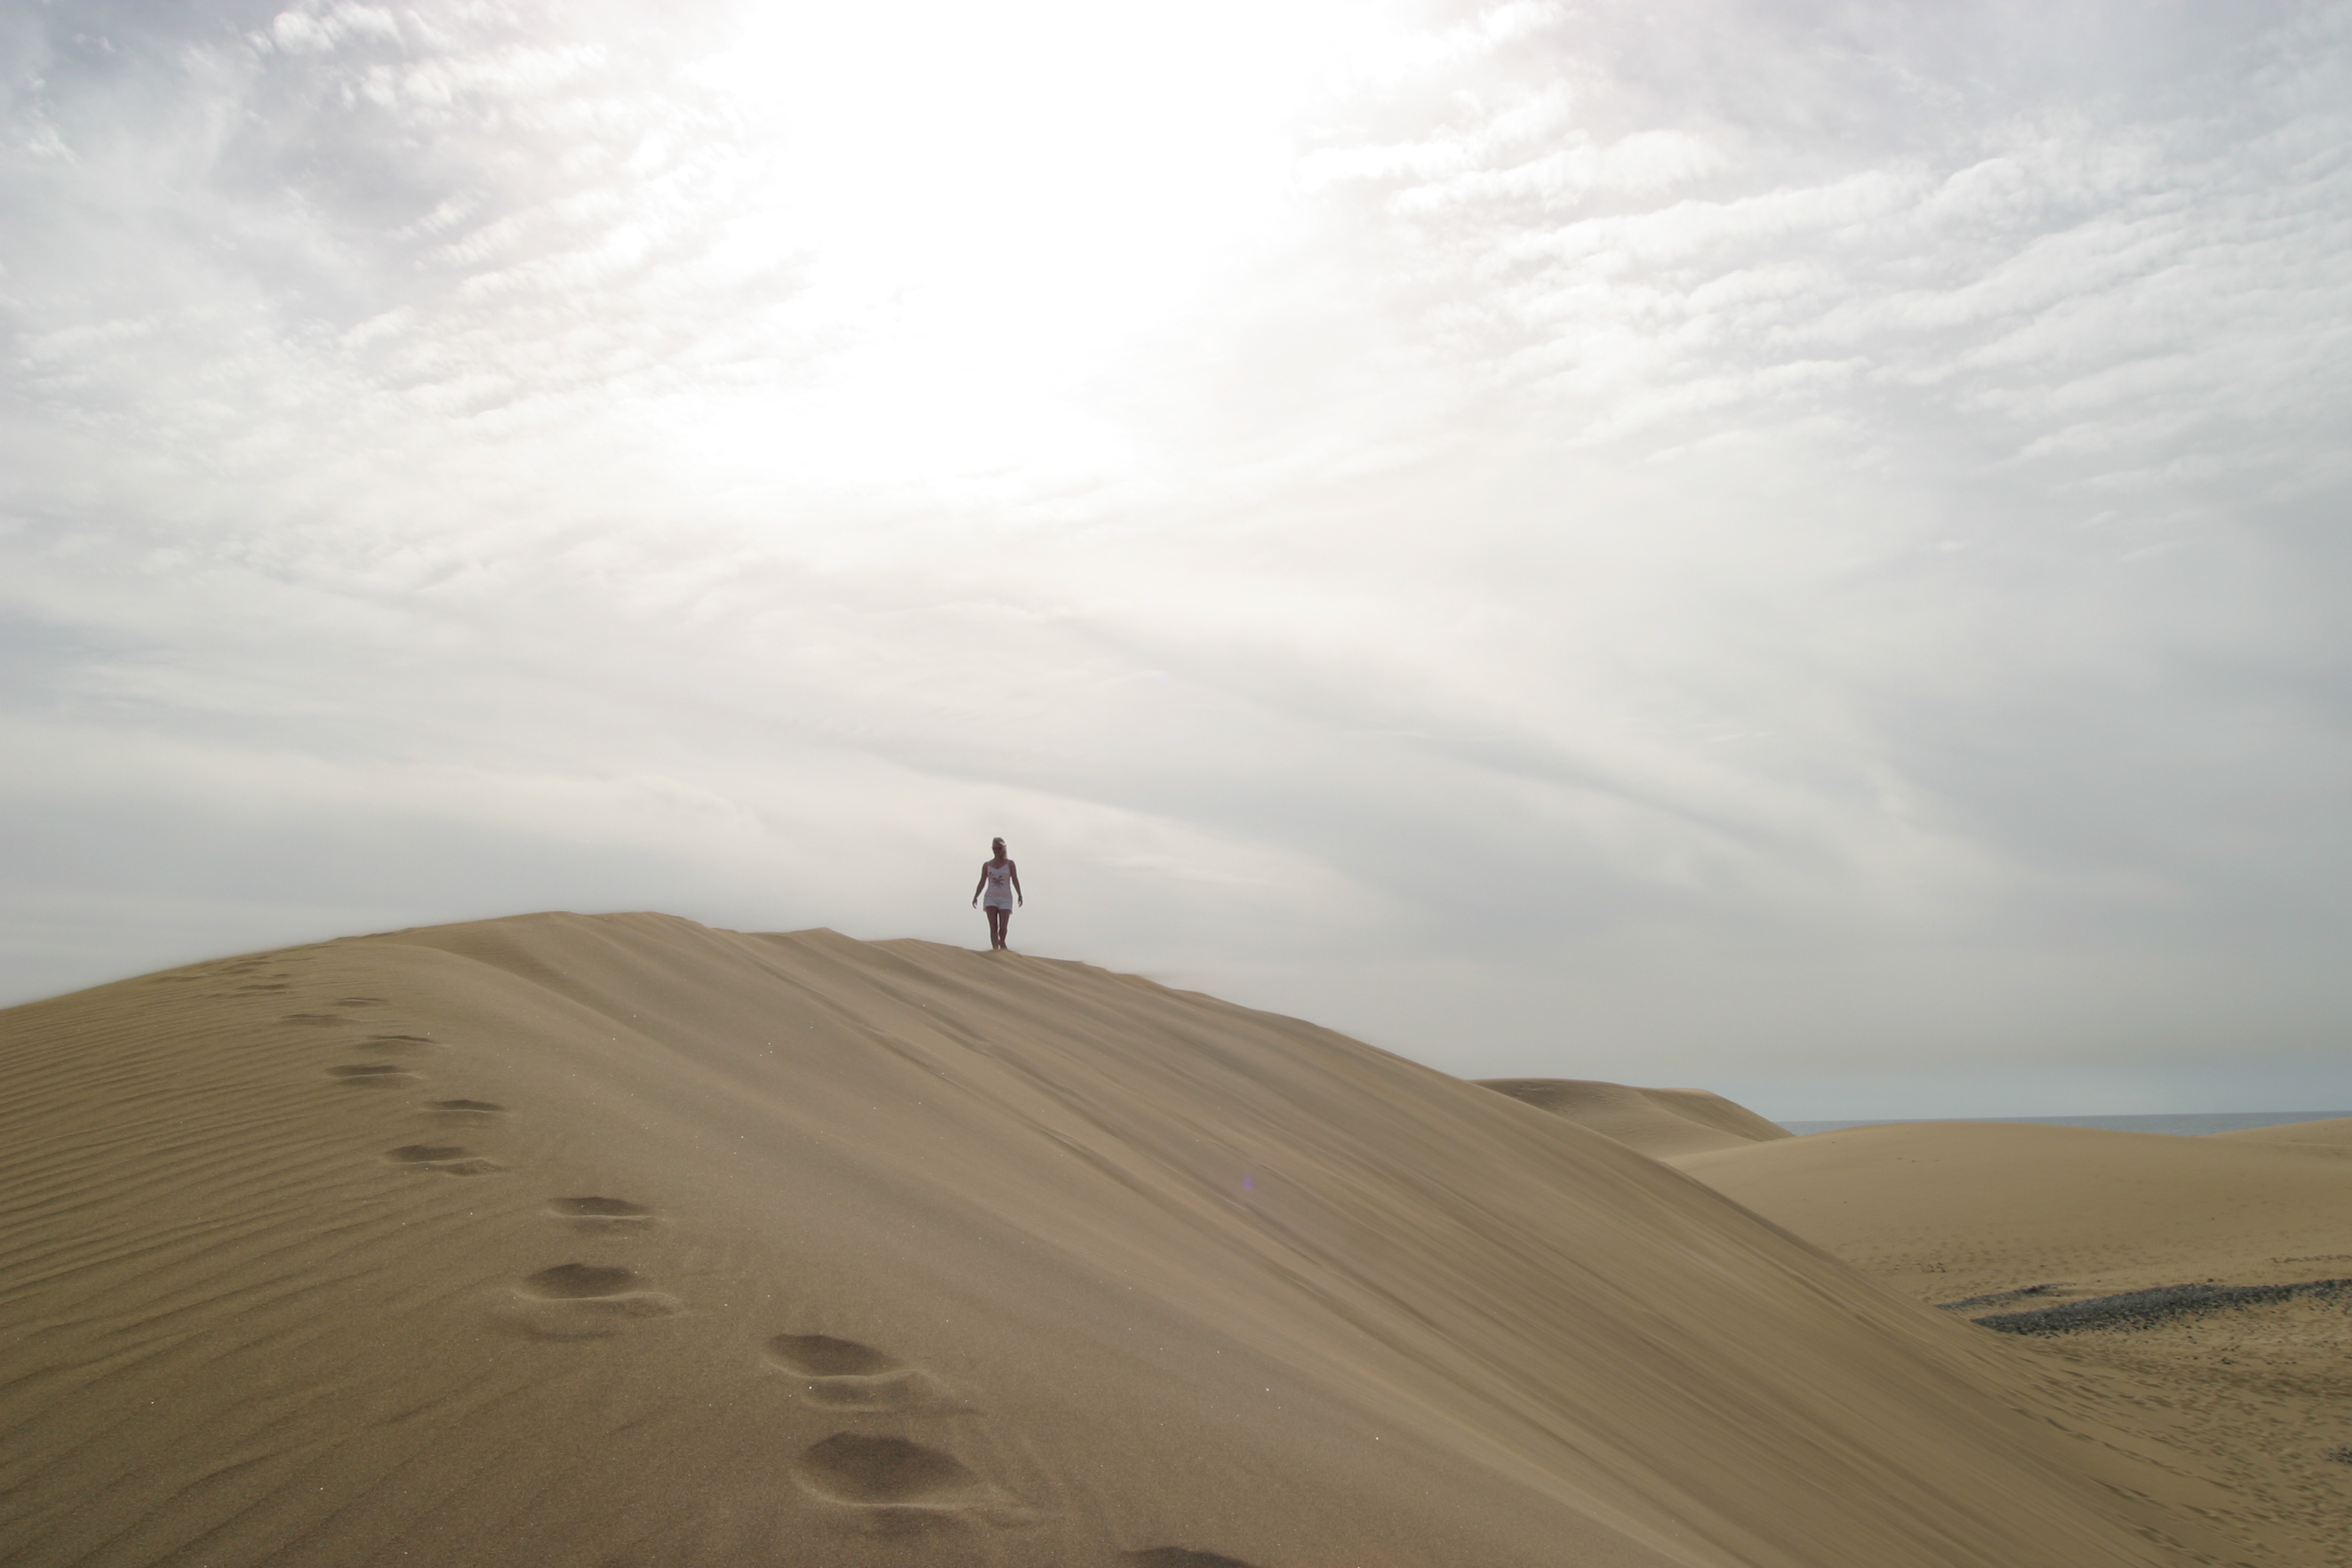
(1796, 547)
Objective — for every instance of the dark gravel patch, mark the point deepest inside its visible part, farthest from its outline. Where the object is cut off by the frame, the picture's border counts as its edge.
(1996, 1298)
(2146, 1308)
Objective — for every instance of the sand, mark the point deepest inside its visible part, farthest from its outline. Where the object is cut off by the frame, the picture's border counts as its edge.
(2162, 1265)
(2335, 1129)
(1659, 1122)
(1947, 1209)
(622, 1241)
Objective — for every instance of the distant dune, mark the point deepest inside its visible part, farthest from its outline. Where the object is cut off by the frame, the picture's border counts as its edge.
(621, 1241)
(1947, 1209)
(1659, 1122)
(2337, 1129)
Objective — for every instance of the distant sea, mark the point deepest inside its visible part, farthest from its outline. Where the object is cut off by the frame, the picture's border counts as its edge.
(2188, 1126)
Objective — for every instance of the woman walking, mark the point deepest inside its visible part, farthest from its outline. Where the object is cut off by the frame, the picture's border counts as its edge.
(1000, 879)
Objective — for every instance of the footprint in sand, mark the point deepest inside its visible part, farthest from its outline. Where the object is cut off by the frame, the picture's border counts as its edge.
(895, 1486)
(891, 1476)
(584, 1300)
(822, 1356)
(843, 1375)
(446, 1158)
(384, 1075)
(583, 1282)
(1177, 1557)
(360, 1002)
(424, 1153)
(398, 1044)
(477, 1109)
(603, 1216)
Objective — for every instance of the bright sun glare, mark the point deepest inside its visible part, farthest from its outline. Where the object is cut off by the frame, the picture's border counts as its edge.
(993, 207)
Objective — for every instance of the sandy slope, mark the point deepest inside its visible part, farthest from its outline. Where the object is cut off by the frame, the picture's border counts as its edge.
(1659, 1122)
(561, 1240)
(2260, 1392)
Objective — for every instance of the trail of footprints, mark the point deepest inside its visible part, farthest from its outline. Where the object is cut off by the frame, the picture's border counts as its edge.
(570, 1300)
(894, 1481)
(891, 1481)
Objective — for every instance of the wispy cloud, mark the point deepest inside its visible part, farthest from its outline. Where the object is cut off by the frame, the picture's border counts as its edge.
(1564, 537)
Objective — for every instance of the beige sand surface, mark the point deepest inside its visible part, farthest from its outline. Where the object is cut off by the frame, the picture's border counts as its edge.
(2335, 1129)
(2262, 1392)
(1659, 1122)
(621, 1241)
(1947, 1209)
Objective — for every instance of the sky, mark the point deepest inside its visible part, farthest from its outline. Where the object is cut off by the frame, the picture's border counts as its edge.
(1791, 547)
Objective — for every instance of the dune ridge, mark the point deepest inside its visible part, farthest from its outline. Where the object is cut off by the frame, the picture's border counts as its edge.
(1659, 1122)
(621, 1240)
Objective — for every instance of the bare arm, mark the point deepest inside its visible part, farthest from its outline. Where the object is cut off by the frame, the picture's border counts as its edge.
(976, 886)
(1015, 867)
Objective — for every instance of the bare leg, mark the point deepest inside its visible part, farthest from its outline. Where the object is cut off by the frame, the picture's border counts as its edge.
(996, 922)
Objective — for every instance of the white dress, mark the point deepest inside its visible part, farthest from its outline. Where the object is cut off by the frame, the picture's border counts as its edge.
(999, 895)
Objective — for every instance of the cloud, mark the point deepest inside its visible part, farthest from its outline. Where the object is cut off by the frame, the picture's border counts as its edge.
(1671, 546)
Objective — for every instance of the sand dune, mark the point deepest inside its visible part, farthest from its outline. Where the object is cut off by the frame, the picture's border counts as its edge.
(2335, 1129)
(1659, 1122)
(1950, 1209)
(622, 1241)
(2198, 1285)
